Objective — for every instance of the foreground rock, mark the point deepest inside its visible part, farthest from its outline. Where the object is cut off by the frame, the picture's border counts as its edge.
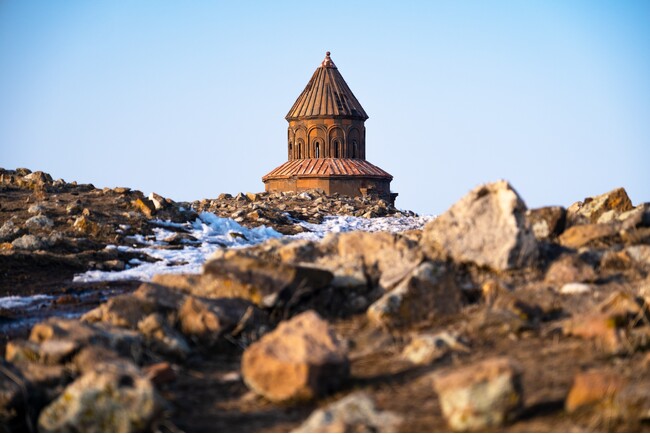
(301, 359)
(484, 395)
(114, 398)
(430, 290)
(487, 227)
(354, 413)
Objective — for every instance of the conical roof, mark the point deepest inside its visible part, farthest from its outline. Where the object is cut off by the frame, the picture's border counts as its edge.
(327, 94)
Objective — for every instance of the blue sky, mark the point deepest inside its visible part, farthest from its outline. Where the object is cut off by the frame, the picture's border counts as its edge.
(188, 99)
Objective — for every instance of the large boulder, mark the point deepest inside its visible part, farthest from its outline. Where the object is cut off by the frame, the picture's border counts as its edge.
(299, 360)
(429, 290)
(482, 395)
(487, 227)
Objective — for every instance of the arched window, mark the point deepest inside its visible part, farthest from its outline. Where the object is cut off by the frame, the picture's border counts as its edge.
(354, 149)
(299, 149)
(317, 151)
(336, 149)
(290, 151)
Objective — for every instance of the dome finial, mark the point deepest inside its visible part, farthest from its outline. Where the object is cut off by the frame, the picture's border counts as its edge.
(327, 62)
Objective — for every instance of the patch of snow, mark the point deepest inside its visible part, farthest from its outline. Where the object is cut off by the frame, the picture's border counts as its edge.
(215, 233)
(14, 301)
(337, 224)
(575, 288)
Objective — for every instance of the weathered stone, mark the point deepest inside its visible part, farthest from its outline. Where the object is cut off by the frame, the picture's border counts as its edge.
(482, 395)
(87, 226)
(260, 281)
(39, 222)
(199, 321)
(426, 348)
(35, 209)
(91, 357)
(487, 227)
(547, 222)
(353, 413)
(387, 257)
(158, 201)
(603, 328)
(592, 387)
(592, 208)
(162, 338)
(123, 341)
(165, 296)
(428, 291)
(640, 253)
(28, 242)
(581, 235)
(116, 398)
(121, 311)
(570, 268)
(145, 206)
(19, 350)
(9, 231)
(300, 359)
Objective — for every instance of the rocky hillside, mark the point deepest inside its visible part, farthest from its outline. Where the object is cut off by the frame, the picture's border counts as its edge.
(493, 317)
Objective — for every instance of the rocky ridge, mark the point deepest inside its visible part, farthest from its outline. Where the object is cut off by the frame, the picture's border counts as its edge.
(524, 320)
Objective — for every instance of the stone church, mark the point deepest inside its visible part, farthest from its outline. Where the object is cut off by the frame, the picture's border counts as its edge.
(326, 143)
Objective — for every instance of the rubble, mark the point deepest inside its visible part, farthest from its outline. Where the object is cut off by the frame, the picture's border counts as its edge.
(491, 301)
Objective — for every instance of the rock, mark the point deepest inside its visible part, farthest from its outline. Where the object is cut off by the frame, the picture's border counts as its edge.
(9, 231)
(603, 328)
(592, 208)
(158, 201)
(426, 348)
(486, 227)
(114, 398)
(570, 268)
(39, 222)
(123, 341)
(261, 281)
(162, 338)
(353, 413)
(575, 288)
(480, 396)
(159, 294)
(639, 254)
(387, 258)
(300, 359)
(121, 311)
(35, 209)
(582, 235)
(547, 222)
(87, 226)
(199, 321)
(593, 387)
(145, 206)
(429, 290)
(93, 356)
(28, 242)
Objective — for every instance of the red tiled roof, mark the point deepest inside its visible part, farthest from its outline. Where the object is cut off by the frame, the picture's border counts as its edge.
(327, 167)
(327, 94)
